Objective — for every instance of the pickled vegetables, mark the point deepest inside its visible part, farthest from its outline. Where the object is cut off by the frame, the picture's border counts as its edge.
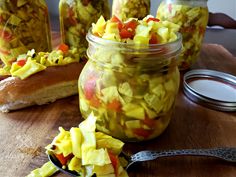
(24, 25)
(131, 79)
(87, 152)
(135, 31)
(192, 20)
(76, 17)
(32, 62)
(125, 9)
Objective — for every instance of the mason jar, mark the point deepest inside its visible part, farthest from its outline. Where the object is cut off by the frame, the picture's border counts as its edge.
(76, 17)
(130, 88)
(24, 25)
(125, 9)
(192, 16)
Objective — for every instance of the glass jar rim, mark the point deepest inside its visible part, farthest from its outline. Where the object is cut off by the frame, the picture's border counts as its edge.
(175, 45)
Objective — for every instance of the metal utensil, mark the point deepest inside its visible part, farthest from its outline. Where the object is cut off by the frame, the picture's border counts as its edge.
(227, 154)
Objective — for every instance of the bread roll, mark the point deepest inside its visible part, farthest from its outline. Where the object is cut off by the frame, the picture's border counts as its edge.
(44, 87)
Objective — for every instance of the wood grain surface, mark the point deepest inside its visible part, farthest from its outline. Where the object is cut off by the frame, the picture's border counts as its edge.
(25, 133)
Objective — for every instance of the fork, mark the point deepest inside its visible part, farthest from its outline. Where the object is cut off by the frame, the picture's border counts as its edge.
(228, 154)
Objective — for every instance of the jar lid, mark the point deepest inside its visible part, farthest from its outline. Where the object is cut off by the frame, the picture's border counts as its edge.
(214, 89)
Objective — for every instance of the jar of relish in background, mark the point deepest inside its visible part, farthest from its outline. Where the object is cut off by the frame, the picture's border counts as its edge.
(125, 9)
(76, 17)
(192, 16)
(24, 25)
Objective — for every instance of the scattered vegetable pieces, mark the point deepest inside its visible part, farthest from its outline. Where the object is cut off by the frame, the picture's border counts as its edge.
(48, 169)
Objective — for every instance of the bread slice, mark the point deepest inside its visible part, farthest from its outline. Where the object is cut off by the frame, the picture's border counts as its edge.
(44, 87)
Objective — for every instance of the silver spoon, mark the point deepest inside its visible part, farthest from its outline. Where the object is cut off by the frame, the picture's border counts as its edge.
(227, 154)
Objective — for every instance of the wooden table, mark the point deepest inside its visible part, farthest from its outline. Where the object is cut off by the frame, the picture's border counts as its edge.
(25, 133)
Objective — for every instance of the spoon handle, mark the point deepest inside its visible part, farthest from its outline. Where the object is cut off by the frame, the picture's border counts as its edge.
(228, 154)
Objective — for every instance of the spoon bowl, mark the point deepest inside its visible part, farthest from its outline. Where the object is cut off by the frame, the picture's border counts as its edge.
(57, 164)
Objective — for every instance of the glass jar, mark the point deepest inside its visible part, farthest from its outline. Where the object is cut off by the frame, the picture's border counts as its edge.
(125, 9)
(192, 16)
(24, 25)
(76, 17)
(131, 89)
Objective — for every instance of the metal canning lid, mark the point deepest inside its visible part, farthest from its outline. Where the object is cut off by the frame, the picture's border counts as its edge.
(213, 89)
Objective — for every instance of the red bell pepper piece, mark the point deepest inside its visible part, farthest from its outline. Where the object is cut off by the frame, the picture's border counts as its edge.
(131, 25)
(63, 47)
(63, 160)
(128, 30)
(118, 21)
(142, 132)
(21, 62)
(149, 122)
(115, 105)
(7, 36)
(152, 19)
(114, 161)
(90, 87)
(95, 102)
(153, 39)
(124, 33)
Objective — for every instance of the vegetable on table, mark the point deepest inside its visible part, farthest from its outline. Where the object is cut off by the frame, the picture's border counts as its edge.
(48, 169)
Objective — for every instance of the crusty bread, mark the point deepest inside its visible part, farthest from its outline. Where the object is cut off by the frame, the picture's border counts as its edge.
(46, 86)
